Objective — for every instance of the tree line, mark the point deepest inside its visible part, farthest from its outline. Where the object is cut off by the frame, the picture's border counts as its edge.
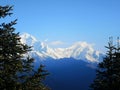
(17, 70)
(108, 72)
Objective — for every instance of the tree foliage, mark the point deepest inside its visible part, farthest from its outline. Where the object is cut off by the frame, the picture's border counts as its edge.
(16, 69)
(108, 72)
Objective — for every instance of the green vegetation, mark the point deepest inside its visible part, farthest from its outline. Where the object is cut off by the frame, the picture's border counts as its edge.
(108, 72)
(16, 69)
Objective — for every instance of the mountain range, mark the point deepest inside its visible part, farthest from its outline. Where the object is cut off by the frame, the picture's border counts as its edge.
(77, 51)
(70, 68)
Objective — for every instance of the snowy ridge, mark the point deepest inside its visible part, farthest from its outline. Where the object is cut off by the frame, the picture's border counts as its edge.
(78, 51)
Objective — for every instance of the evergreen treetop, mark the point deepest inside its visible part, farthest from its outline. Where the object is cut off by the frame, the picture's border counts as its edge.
(108, 72)
(16, 70)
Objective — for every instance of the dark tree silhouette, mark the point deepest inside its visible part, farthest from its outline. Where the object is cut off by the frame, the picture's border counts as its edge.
(16, 69)
(108, 72)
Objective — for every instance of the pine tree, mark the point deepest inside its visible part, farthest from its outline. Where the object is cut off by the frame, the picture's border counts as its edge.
(108, 72)
(16, 69)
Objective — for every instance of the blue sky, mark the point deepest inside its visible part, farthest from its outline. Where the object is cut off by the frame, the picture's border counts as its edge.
(68, 21)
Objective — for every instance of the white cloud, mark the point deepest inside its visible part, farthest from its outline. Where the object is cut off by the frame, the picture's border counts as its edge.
(46, 40)
(56, 43)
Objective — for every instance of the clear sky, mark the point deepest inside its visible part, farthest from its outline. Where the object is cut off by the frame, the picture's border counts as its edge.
(68, 21)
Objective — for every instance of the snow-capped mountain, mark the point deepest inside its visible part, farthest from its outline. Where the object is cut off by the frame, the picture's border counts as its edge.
(78, 51)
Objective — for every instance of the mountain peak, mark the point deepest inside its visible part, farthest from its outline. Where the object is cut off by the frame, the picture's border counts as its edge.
(78, 51)
(28, 39)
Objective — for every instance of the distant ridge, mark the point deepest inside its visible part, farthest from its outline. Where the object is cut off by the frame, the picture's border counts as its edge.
(78, 51)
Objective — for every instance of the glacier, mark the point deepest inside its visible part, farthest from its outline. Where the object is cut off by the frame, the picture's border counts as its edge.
(78, 51)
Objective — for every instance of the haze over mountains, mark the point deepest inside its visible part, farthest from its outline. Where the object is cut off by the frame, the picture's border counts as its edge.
(71, 68)
(78, 51)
